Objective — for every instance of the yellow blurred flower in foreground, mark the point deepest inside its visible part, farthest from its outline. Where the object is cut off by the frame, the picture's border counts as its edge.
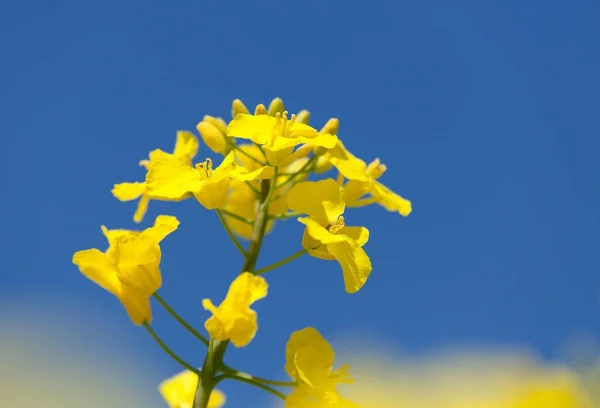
(326, 235)
(129, 269)
(179, 391)
(475, 380)
(308, 361)
(233, 319)
(185, 150)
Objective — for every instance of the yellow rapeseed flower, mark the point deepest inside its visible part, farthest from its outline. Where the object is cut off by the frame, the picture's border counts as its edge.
(171, 179)
(363, 182)
(308, 361)
(326, 235)
(179, 391)
(129, 268)
(233, 319)
(185, 149)
(277, 135)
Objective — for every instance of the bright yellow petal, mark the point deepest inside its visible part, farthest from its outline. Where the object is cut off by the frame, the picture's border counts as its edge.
(247, 289)
(186, 146)
(163, 226)
(142, 208)
(349, 165)
(262, 173)
(358, 234)
(251, 150)
(355, 263)
(112, 235)
(256, 128)
(322, 140)
(179, 391)
(319, 233)
(322, 200)
(308, 357)
(390, 200)
(128, 191)
(95, 266)
(171, 180)
(138, 258)
(355, 190)
(213, 137)
(156, 156)
(213, 194)
(136, 303)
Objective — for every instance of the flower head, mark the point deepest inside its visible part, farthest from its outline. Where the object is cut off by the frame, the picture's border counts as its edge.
(233, 319)
(277, 135)
(185, 149)
(179, 391)
(326, 235)
(129, 268)
(213, 132)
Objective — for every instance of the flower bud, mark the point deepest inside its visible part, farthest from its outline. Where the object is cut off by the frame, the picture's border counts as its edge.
(303, 117)
(260, 110)
(238, 107)
(331, 126)
(276, 106)
(213, 137)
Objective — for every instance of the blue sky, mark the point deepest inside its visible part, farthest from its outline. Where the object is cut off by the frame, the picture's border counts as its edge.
(485, 113)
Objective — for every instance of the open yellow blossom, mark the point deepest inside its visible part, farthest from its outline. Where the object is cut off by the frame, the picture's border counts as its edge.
(308, 361)
(185, 149)
(363, 188)
(326, 235)
(129, 268)
(172, 179)
(277, 135)
(233, 319)
(179, 391)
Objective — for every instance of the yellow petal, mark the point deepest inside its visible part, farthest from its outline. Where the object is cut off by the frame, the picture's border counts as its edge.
(136, 303)
(355, 263)
(354, 191)
(276, 106)
(322, 200)
(390, 200)
(186, 146)
(171, 180)
(112, 235)
(138, 257)
(163, 226)
(256, 128)
(179, 391)
(157, 156)
(262, 173)
(320, 233)
(142, 208)
(308, 357)
(238, 107)
(347, 164)
(213, 193)
(95, 266)
(358, 234)
(128, 191)
(213, 137)
(247, 151)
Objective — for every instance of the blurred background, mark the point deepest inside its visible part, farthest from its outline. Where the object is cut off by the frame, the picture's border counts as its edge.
(485, 113)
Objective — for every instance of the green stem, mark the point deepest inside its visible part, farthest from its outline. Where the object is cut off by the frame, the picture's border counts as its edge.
(234, 372)
(216, 349)
(293, 176)
(231, 234)
(168, 350)
(281, 263)
(284, 216)
(254, 189)
(180, 319)
(237, 217)
(252, 382)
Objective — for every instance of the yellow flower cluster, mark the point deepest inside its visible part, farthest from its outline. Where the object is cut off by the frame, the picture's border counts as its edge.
(267, 159)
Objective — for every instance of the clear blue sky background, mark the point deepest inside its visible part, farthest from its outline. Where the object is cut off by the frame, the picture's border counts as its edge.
(485, 112)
